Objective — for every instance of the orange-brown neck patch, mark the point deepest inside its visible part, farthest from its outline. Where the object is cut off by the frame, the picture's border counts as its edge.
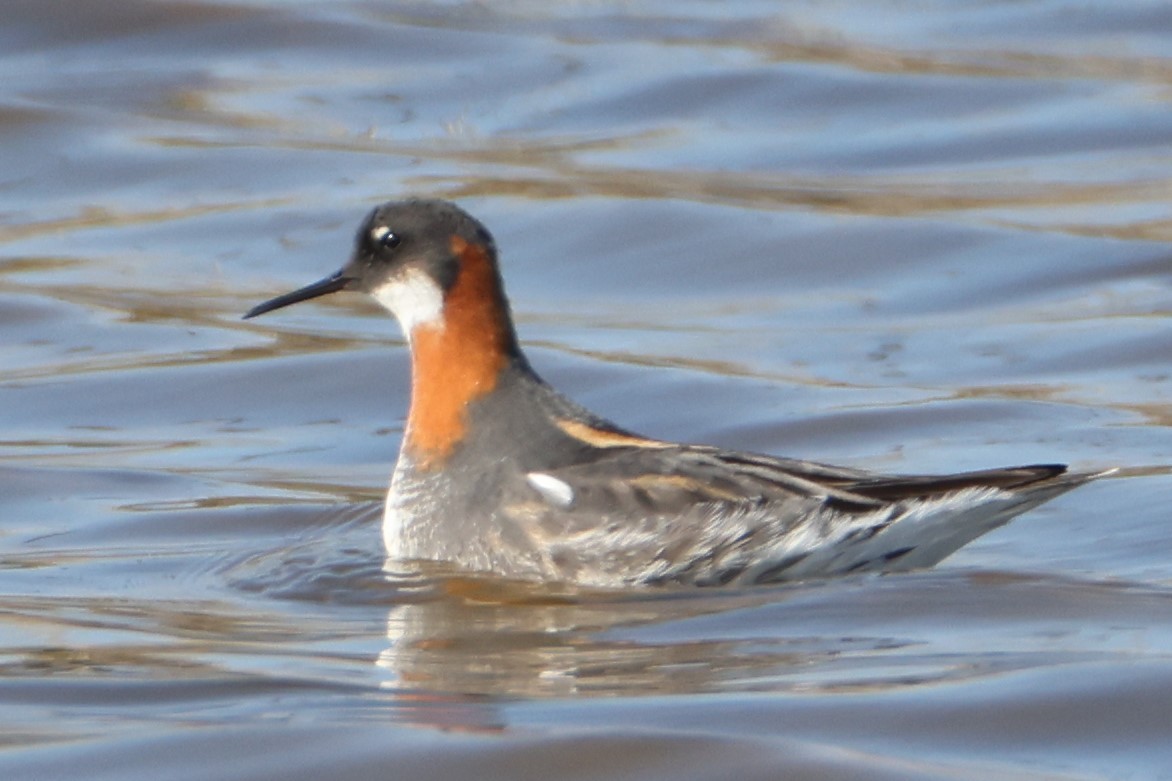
(457, 360)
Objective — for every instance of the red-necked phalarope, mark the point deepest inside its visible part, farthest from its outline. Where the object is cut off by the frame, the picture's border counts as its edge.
(500, 473)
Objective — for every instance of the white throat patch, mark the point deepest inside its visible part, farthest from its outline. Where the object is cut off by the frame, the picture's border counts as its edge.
(413, 298)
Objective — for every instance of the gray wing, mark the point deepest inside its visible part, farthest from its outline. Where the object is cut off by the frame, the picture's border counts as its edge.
(706, 516)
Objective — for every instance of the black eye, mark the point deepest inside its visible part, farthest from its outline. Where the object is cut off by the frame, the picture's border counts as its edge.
(390, 240)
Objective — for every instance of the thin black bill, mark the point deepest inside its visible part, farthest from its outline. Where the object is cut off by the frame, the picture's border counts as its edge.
(330, 284)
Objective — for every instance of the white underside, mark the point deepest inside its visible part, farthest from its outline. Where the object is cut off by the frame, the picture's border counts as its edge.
(413, 513)
(398, 509)
(413, 298)
(392, 526)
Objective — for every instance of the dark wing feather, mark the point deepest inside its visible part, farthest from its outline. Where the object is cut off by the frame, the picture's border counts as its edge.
(703, 515)
(895, 488)
(675, 479)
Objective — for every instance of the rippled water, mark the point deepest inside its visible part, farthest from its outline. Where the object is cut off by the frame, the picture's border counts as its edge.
(908, 236)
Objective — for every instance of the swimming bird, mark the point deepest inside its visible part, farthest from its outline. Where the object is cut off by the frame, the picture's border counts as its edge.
(500, 473)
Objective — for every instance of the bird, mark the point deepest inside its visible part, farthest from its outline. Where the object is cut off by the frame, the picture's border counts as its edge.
(500, 474)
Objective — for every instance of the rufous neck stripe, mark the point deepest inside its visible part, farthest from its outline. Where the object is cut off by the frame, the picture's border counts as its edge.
(457, 359)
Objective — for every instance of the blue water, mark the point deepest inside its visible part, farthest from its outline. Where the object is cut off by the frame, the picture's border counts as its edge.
(902, 236)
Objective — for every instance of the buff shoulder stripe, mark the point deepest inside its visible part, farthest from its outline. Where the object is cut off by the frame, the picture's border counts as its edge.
(601, 438)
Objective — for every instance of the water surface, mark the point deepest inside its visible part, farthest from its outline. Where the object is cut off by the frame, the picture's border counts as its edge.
(902, 236)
